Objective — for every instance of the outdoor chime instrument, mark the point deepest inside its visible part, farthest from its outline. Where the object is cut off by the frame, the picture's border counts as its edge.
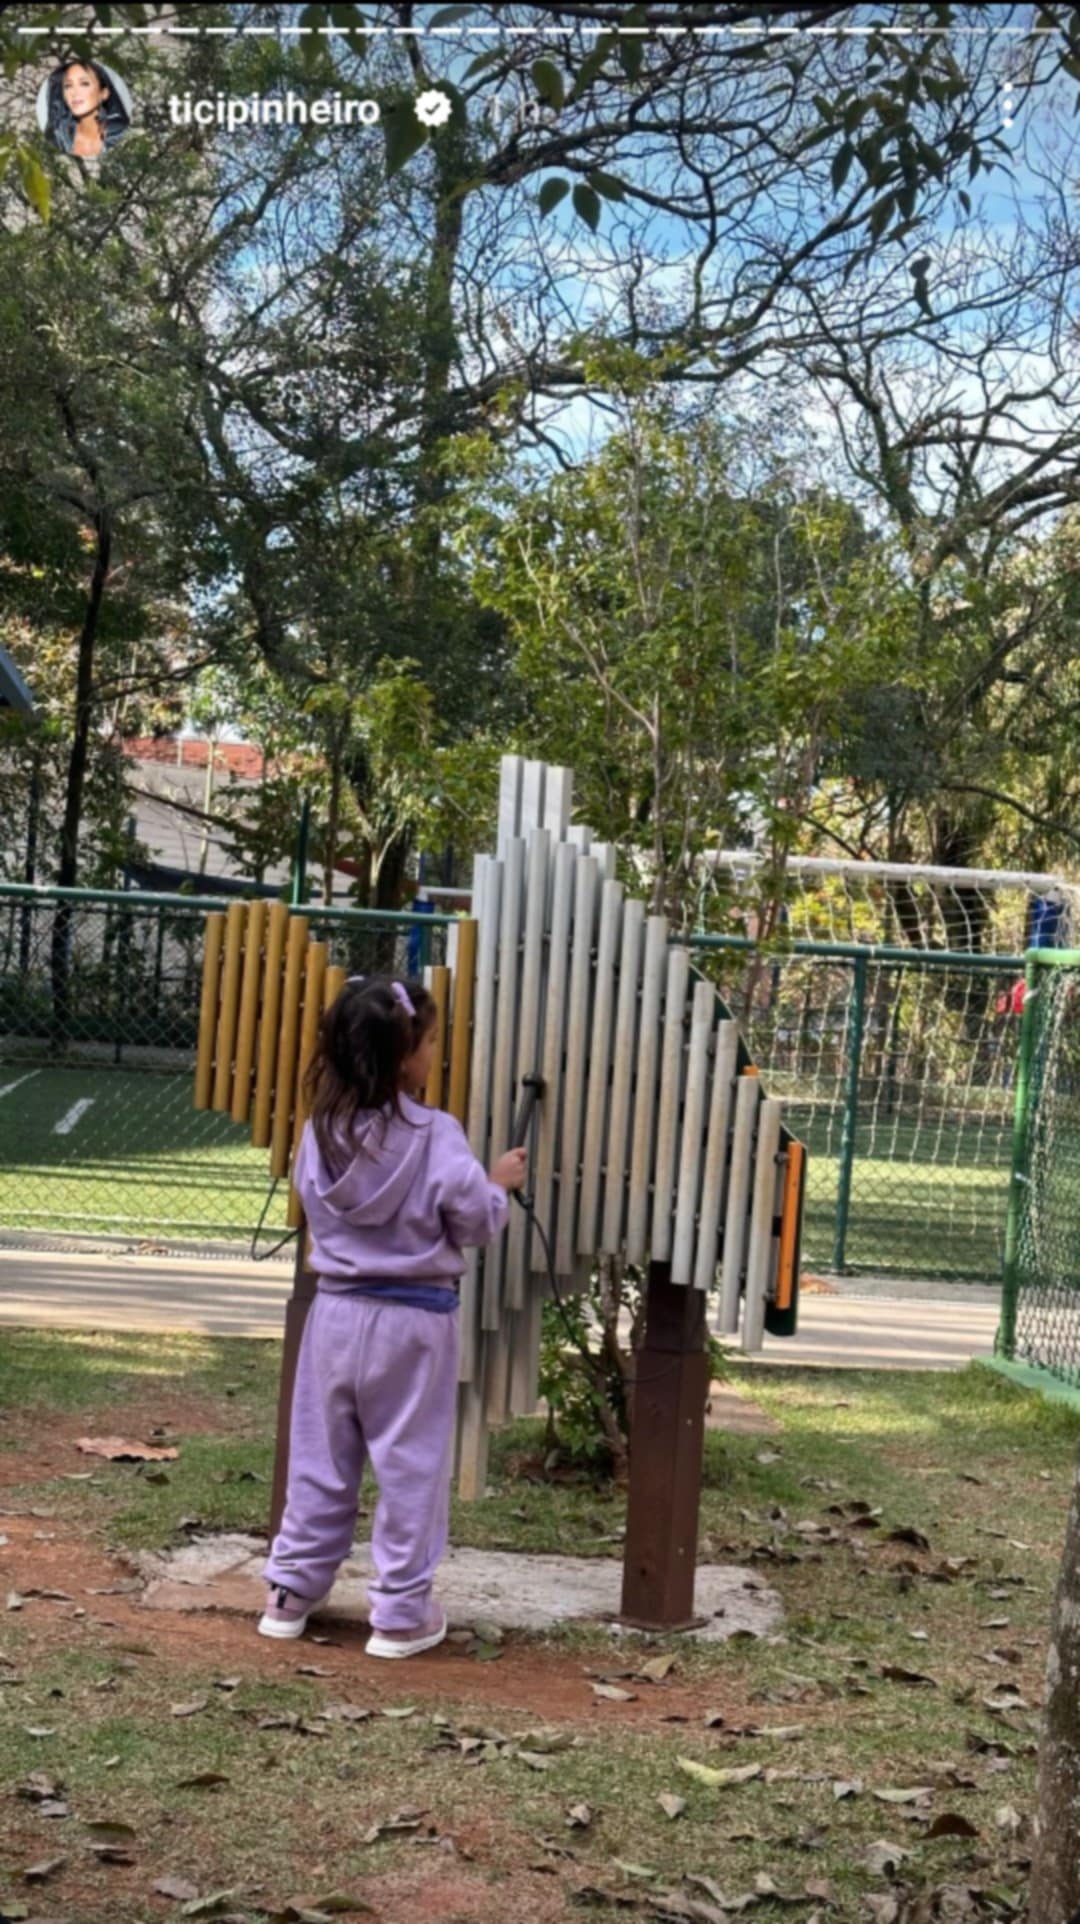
(653, 1141)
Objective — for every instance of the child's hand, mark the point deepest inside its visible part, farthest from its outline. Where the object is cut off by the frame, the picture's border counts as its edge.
(509, 1171)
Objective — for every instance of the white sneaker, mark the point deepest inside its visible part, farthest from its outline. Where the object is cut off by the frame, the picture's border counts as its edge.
(380, 1644)
(286, 1614)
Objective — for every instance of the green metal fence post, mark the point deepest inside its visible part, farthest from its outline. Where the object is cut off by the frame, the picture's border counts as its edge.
(1005, 1342)
(856, 1027)
(300, 856)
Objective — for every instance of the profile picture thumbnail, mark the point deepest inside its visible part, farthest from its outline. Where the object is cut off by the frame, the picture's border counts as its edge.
(83, 107)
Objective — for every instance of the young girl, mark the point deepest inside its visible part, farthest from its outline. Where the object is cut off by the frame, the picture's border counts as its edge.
(392, 1192)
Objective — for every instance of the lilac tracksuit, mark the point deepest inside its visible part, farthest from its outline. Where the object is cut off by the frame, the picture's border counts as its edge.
(377, 1378)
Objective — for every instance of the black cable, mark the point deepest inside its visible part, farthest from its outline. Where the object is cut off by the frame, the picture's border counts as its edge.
(525, 1202)
(634, 1381)
(289, 1236)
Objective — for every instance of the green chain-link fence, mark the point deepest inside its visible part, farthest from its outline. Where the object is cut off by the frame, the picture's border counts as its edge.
(1040, 1318)
(99, 1010)
(897, 1067)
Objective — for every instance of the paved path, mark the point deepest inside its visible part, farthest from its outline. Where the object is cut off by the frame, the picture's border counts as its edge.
(68, 1290)
(48, 1290)
(845, 1332)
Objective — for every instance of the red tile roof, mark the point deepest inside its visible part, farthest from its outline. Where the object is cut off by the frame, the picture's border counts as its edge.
(241, 759)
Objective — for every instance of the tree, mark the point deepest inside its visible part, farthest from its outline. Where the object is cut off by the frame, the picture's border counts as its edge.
(448, 299)
(968, 455)
(686, 634)
(1055, 1870)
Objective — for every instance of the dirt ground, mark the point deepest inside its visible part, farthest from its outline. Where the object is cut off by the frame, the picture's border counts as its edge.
(100, 1611)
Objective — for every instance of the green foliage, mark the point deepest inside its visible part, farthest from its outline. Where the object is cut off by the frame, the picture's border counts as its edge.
(689, 644)
(587, 1369)
(573, 1397)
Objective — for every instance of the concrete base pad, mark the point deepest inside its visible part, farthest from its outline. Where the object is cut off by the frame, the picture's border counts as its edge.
(501, 1587)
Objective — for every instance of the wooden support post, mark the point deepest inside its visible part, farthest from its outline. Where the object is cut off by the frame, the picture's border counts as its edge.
(666, 1439)
(296, 1312)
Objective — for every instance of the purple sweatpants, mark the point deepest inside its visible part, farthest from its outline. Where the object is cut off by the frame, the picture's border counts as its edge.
(374, 1380)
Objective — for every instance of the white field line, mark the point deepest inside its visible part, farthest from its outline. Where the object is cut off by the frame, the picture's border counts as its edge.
(18, 1083)
(67, 1123)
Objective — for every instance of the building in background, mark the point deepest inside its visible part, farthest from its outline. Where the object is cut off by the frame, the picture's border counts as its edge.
(188, 842)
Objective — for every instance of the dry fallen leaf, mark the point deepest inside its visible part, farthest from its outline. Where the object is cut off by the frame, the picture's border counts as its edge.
(952, 1824)
(346, 1714)
(655, 1669)
(118, 1450)
(403, 1820)
(105, 1832)
(203, 1780)
(579, 1817)
(883, 1906)
(671, 1805)
(316, 1910)
(191, 1709)
(896, 1673)
(612, 1693)
(210, 1906)
(719, 1779)
(180, 1889)
(543, 1741)
(917, 1794)
(37, 1873)
(908, 1534)
(847, 1787)
(883, 1858)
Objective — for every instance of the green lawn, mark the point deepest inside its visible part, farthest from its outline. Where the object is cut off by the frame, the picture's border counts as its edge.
(927, 1199)
(140, 1160)
(908, 1671)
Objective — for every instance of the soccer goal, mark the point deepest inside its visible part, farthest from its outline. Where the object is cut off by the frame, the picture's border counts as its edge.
(1040, 1320)
(884, 1002)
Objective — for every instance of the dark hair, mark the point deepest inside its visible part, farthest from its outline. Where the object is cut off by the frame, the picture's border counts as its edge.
(364, 1037)
(60, 126)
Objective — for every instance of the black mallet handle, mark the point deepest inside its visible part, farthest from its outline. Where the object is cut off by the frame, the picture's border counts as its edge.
(532, 1089)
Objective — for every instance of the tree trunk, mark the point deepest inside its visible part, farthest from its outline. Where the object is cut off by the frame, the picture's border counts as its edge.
(964, 911)
(68, 870)
(333, 817)
(1055, 1873)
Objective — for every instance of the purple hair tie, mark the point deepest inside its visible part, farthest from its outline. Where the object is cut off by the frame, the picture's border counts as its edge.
(397, 989)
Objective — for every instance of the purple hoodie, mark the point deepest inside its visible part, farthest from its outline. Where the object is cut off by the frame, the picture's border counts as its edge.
(402, 1211)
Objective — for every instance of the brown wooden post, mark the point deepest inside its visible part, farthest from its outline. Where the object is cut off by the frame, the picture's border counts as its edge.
(296, 1310)
(666, 1440)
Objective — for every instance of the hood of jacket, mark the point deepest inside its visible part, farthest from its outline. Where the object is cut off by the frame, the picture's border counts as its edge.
(387, 1153)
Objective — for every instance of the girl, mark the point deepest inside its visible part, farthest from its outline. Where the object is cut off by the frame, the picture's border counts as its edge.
(391, 1192)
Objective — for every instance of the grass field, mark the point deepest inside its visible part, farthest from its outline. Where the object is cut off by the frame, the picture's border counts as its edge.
(139, 1160)
(926, 1200)
(881, 1741)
